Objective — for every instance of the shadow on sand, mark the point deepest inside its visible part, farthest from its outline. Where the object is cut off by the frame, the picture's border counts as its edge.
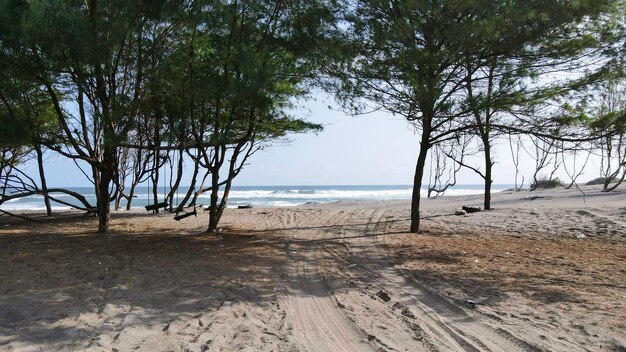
(51, 281)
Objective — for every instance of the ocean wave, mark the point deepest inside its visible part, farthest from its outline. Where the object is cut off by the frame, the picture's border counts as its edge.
(318, 194)
(273, 196)
(283, 204)
(391, 194)
(32, 207)
(149, 196)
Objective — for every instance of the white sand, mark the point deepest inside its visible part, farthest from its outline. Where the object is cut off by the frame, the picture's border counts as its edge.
(312, 278)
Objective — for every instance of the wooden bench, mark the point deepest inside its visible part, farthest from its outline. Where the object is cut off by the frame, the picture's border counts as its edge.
(156, 206)
(186, 215)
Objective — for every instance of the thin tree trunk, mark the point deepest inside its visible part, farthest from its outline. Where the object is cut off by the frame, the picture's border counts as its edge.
(131, 194)
(179, 176)
(609, 189)
(104, 199)
(155, 181)
(200, 190)
(488, 177)
(213, 219)
(118, 201)
(231, 176)
(417, 182)
(104, 204)
(120, 195)
(42, 176)
(101, 184)
(139, 169)
(222, 205)
(191, 189)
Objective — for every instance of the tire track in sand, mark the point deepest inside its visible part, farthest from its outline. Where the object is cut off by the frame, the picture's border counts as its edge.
(313, 318)
(445, 325)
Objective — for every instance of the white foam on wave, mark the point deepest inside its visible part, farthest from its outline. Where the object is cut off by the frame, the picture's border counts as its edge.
(320, 194)
(338, 194)
(31, 207)
(65, 195)
(243, 194)
(149, 196)
(283, 204)
(278, 203)
(276, 197)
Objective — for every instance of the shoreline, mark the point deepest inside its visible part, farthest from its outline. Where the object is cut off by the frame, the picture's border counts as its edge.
(278, 195)
(592, 189)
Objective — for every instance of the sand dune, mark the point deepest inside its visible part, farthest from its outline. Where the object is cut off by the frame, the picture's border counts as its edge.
(546, 270)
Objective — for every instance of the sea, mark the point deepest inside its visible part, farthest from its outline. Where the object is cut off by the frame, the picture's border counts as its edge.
(274, 196)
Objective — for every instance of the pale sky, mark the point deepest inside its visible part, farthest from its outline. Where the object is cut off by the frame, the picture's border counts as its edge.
(374, 149)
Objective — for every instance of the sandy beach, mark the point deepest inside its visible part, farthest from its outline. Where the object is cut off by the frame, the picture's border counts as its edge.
(543, 271)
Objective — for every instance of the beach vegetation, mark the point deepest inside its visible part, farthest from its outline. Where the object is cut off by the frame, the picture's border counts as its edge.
(130, 83)
(476, 68)
(139, 92)
(546, 183)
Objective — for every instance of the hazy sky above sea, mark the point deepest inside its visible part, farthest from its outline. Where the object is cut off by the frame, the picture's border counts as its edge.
(373, 149)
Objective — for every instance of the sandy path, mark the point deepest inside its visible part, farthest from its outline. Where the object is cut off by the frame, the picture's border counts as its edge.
(439, 324)
(317, 323)
(447, 324)
(315, 319)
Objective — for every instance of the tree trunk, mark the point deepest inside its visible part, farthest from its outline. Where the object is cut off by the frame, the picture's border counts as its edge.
(417, 183)
(229, 182)
(42, 176)
(488, 177)
(155, 181)
(213, 219)
(201, 189)
(609, 189)
(131, 194)
(106, 172)
(222, 205)
(179, 176)
(104, 206)
(190, 191)
(606, 183)
(104, 201)
(119, 196)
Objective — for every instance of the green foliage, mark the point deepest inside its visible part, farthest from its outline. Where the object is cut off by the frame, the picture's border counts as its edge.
(612, 122)
(414, 58)
(25, 114)
(473, 67)
(238, 68)
(164, 67)
(607, 114)
(597, 181)
(544, 183)
(210, 75)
